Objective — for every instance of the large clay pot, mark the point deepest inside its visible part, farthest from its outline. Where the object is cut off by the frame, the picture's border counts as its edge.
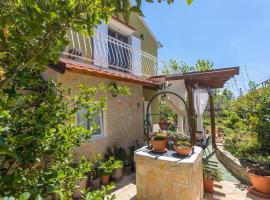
(260, 179)
(81, 186)
(105, 179)
(183, 151)
(117, 174)
(94, 183)
(159, 145)
(164, 124)
(208, 185)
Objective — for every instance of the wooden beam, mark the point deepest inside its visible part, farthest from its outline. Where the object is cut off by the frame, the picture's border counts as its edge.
(191, 113)
(212, 119)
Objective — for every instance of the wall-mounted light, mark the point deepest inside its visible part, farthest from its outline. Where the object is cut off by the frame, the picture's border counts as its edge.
(142, 36)
(113, 88)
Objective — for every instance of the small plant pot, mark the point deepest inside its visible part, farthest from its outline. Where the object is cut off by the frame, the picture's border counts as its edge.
(94, 183)
(81, 186)
(127, 170)
(105, 179)
(117, 174)
(164, 124)
(159, 145)
(260, 179)
(183, 151)
(208, 185)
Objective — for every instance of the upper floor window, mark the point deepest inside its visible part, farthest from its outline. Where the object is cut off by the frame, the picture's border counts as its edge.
(118, 36)
(96, 124)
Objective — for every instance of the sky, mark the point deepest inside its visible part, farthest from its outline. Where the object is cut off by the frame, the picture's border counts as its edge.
(227, 32)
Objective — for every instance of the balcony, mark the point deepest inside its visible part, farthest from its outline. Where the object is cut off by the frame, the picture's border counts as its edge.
(106, 52)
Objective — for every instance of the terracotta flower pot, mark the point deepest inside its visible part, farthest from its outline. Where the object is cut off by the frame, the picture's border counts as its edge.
(105, 179)
(159, 145)
(164, 124)
(208, 185)
(183, 151)
(260, 179)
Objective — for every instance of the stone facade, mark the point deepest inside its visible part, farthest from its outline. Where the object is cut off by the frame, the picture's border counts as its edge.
(123, 120)
(165, 177)
(237, 168)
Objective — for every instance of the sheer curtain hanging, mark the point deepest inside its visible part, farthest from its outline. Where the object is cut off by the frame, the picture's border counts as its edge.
(200, 102)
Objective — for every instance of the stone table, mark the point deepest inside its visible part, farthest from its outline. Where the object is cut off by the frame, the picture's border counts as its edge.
(168, 176)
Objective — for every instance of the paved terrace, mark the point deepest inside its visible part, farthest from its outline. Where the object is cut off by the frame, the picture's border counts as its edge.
(224, 190)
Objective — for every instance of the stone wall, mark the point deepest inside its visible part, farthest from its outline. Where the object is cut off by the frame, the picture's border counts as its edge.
(235, 166)
(162, 177)
(123, 121)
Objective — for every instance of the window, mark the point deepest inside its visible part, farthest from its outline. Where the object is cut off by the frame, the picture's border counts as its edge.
(96, 123)
(119, 55)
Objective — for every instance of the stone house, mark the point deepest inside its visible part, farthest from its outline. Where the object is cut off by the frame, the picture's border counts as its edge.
(119, 53)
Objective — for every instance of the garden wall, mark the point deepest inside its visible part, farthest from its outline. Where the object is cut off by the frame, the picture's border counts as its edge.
(234, 165)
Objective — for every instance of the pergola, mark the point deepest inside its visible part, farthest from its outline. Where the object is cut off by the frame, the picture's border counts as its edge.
(212, 79)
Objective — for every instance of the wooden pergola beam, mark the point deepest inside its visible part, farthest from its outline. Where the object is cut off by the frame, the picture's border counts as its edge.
(191, 113)
(212, 119)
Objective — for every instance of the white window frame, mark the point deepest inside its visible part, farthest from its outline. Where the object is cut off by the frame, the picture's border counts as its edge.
(102, 126)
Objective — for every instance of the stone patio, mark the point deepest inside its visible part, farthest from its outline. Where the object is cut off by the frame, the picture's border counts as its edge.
(224, 190)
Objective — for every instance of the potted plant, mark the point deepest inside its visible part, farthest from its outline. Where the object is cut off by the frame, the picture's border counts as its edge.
(127, 166)
(117, 170)
(183, 148)
(159, 142)
(260, 179)
(164, 124)
(210, 175)
(94, 176)
(106, 169)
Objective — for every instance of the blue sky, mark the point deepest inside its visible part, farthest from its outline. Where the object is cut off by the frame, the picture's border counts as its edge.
(227, 32)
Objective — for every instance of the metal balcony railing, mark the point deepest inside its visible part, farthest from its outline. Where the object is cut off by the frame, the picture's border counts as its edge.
(104, 51)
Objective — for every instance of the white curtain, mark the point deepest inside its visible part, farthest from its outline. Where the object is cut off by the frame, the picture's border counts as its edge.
(200, 102)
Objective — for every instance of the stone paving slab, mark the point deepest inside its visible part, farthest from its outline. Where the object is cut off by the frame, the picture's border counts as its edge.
(223, 190)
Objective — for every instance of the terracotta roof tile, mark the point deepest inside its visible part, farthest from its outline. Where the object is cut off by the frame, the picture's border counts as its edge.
(78, 67)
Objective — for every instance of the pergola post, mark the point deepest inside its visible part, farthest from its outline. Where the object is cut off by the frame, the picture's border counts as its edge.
(212, 119)
(191, 113)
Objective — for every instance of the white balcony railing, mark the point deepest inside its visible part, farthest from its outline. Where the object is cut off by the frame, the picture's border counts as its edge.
(104, 51)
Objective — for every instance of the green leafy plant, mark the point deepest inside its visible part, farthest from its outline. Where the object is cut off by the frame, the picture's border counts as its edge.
(159, 136)
(101, 194)
(210, 172)
(107, 166)
(119, 153)
(117, 164)
(183, 144)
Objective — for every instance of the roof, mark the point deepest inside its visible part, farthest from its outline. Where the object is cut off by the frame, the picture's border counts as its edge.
(87, 69)
(215, 78)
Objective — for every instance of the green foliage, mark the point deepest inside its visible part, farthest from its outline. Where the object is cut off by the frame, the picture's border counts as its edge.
(117, 152)
(99, 194)
(211, 172)
(159, 136)
(182, 67)
(183, 144)
(107, 166)
(246, 122)
(117, 164)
